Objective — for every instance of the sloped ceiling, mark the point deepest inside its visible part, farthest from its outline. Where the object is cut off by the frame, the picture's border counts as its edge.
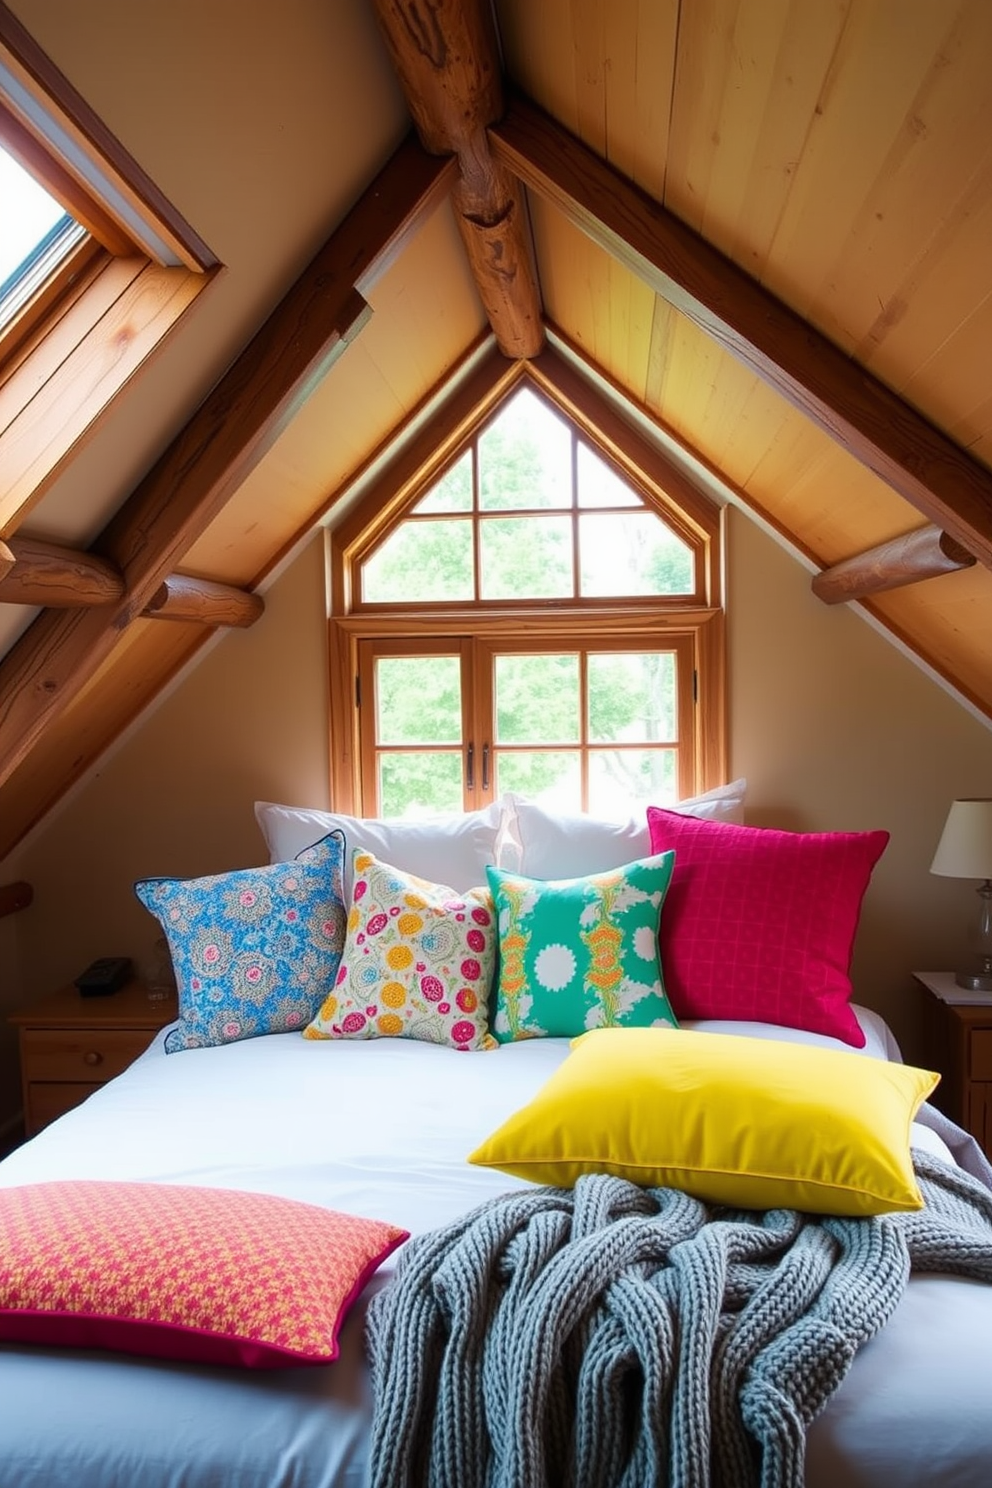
(838, 152)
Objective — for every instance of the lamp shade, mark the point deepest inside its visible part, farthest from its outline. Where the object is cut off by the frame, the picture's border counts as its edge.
(965, 846)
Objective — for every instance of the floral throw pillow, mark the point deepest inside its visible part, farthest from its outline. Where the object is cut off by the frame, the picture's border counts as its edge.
(580, 953)
(418, 962)
(254, 951)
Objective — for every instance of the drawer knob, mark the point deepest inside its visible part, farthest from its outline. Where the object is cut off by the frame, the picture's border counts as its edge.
(93, 1056)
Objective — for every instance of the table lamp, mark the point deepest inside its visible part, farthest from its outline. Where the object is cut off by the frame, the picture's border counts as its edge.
(965, 851)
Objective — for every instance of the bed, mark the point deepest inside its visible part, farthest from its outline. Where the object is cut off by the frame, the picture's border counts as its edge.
(382, 1127)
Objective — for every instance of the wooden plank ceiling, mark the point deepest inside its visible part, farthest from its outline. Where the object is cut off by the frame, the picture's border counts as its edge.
(768, 223)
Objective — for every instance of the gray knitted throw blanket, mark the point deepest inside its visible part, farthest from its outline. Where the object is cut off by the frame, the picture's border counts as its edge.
(614, 1337)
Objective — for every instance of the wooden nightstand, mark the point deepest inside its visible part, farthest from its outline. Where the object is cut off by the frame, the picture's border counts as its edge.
(958, 1034)
(71, 1045)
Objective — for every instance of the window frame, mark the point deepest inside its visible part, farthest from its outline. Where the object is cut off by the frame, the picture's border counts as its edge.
(696, 526)
(372, 649)
(432, 448)
(477, 653)
(698, 632)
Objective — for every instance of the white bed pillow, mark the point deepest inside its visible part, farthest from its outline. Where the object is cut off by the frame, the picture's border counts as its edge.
(453, 850)
(548, 844)
(880, 1041)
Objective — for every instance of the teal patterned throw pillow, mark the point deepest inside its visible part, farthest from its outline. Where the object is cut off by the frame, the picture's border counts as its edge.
(254, 951)
(580, 953)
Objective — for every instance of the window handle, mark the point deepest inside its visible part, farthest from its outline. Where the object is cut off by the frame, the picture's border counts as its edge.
(485, 766)
(470, 766)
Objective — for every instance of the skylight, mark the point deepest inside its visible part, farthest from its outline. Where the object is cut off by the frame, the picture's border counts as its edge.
(35, 234)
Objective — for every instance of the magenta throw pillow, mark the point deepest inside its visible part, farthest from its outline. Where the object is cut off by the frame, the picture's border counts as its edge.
(759, 924)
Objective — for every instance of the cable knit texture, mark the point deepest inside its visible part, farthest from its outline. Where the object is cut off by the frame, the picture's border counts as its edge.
(615, 1336)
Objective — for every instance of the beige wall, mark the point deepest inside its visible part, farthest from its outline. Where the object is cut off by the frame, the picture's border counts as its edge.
(833, 728)
(836, 730)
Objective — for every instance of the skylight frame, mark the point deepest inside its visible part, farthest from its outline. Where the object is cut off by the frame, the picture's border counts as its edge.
(116, 294)
(36, 270)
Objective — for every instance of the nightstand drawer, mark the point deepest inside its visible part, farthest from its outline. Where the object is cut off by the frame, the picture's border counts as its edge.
(47, 1102)
(80, 1054)
(70, 1045)
(980, 1054)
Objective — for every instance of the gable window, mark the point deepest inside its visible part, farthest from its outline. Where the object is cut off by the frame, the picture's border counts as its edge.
(538, 615)
(530, 511)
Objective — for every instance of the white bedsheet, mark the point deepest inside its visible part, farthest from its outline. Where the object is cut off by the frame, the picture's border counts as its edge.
(381, 1128)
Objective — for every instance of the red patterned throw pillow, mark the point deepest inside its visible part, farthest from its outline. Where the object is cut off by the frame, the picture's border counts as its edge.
(759, 924)
(217, 1276)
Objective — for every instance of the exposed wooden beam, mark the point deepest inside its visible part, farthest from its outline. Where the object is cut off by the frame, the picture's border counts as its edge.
(181, 597)
(854, 408)
(748, 502)
(498, 246)
(7, 560)
(45, 574)
(922, 554)
(227, 436)
(14, 896)
(446, 56)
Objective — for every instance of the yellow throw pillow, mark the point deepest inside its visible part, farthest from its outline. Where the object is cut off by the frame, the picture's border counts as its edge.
(745, 1122)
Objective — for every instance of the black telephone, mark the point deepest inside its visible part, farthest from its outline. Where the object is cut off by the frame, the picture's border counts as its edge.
(104, 976)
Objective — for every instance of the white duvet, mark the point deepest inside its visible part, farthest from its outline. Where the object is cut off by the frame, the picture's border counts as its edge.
(382, 1128)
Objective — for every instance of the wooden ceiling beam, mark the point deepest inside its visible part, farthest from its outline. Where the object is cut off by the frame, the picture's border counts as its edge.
(181, 597)
(224, 440)
(857, 410)
(922, 554)
(54, 577)
(45, 574)
(446, 56)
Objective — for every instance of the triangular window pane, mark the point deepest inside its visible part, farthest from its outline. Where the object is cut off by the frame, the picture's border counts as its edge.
(599, 484)
(506, 522)
(525, 457)
(452, 493)
(421, 561)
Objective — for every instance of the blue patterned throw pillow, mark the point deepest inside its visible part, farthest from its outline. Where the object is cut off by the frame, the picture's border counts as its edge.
(254, 951)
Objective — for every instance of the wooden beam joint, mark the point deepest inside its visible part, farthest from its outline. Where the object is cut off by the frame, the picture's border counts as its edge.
(42, 573)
